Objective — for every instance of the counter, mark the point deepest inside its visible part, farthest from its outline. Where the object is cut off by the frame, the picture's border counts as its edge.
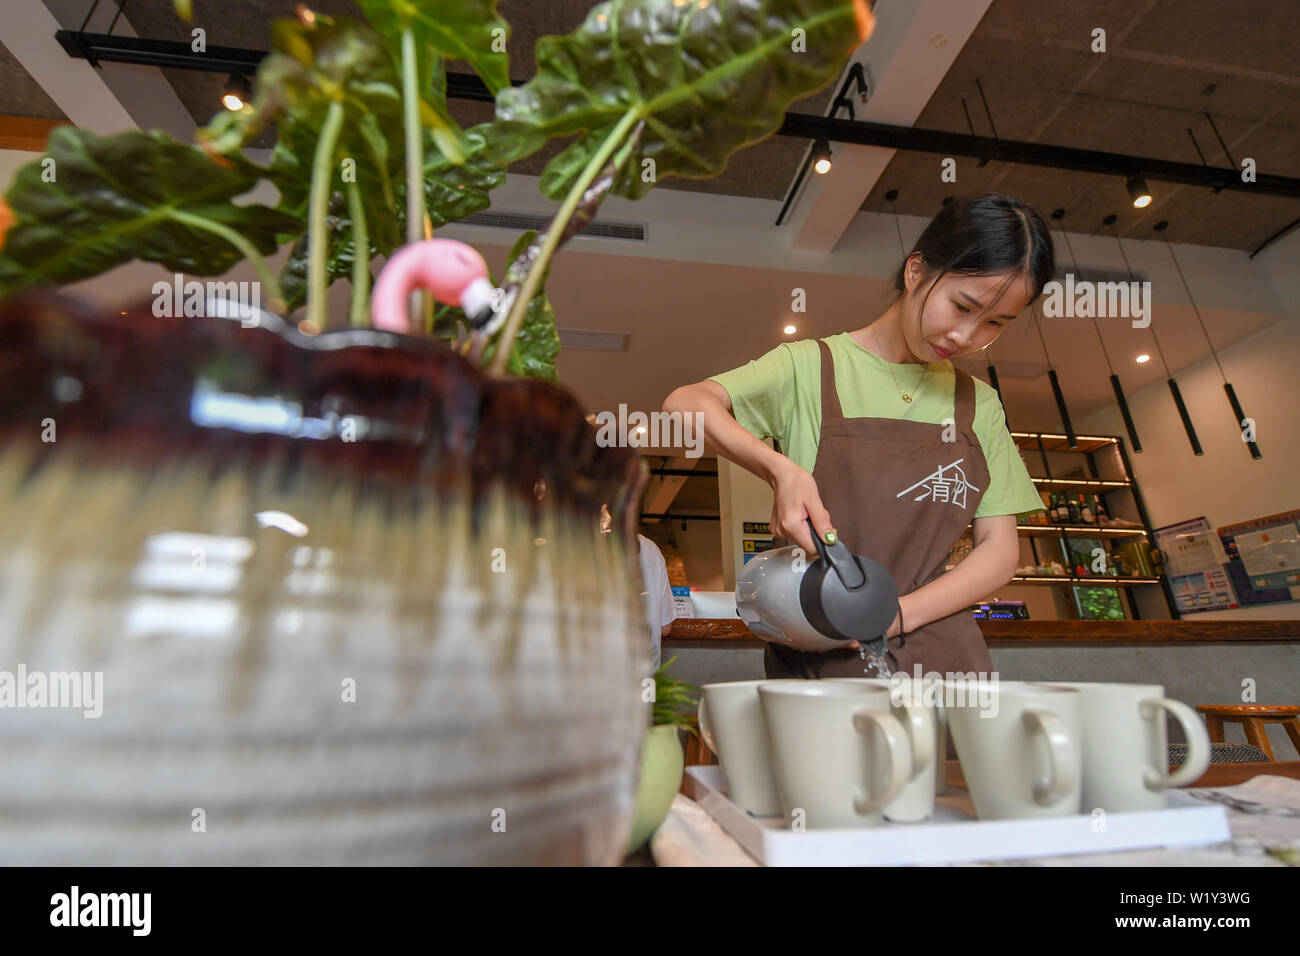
(1045, 633)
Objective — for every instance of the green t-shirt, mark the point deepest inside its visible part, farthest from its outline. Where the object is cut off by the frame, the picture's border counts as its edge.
(779, 396)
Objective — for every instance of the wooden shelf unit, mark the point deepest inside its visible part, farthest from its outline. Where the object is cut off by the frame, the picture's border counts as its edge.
(1103, 478)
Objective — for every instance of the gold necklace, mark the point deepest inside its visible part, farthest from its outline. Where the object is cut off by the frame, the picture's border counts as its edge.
(921, 381)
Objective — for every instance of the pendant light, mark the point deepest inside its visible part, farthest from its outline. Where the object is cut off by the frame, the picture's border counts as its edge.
(1058, 215)
(1173, 384)
(1070, 437)
(1227, 386)
(821, 155)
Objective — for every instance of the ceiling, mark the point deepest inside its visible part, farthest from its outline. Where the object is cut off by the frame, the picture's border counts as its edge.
(1167, 63)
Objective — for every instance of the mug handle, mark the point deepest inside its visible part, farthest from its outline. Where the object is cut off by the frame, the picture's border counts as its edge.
(1060, 757)
(706, 731)
(900, 757)
(1198, 744)
(922, 737)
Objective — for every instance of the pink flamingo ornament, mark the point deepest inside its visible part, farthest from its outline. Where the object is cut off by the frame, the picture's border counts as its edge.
(452, 271)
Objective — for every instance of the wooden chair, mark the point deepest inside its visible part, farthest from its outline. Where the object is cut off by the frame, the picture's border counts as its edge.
(698, 754)
(1252, 717)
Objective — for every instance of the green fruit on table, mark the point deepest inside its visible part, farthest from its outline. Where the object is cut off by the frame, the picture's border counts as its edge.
(662, 766)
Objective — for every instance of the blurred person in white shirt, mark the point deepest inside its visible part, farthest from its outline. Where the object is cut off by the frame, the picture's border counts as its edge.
(658, 594)
(660, 609)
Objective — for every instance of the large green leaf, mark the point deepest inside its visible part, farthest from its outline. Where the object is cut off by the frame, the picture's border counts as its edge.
(468, 30)
(370, 166)
(707, 79)
(311, 66)
(130, 196)
(452, 192)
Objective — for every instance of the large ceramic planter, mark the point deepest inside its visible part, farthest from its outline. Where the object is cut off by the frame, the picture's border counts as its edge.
(349, 599)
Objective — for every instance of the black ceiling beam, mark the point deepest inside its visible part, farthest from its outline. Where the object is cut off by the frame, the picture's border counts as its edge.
(165, 53)
(810, 126)
(467, 86)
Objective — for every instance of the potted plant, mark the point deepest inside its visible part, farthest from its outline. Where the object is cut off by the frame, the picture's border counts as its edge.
(662, 759)
(346, 587)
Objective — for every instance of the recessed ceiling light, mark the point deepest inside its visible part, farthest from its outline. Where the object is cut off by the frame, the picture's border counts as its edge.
(789, 329)
(1143, 358)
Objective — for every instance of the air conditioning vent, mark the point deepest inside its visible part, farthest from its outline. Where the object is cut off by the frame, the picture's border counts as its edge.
(523, 221)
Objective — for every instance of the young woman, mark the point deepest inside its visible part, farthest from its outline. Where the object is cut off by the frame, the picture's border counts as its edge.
(879, 430)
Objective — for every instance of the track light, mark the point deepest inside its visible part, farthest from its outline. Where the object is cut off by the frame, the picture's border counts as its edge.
(238, 92)
(821, 155)
(1138, 192)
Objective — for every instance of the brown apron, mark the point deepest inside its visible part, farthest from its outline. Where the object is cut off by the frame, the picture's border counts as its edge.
(900, 494)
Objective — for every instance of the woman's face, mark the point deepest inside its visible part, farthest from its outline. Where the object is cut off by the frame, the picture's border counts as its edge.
(963, 314)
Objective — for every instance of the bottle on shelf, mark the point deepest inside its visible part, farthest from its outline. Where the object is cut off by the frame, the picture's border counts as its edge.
(1103, 516)
(1072, 511)
(1061, 512)
(1085, 511)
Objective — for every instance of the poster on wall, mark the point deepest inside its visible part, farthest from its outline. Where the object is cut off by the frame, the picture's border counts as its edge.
(1264, 558)
(1195, 565)
(682, 605)
(750, 547)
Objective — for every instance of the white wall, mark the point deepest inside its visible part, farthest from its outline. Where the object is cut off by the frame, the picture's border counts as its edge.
(701, 553)
(1225, 484)
(742, 497)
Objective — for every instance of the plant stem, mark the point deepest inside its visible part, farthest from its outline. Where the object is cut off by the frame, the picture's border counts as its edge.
(322, 176)
(552, 240)
(414, 150)
(414, 165)
(240, 242)
(359, 313)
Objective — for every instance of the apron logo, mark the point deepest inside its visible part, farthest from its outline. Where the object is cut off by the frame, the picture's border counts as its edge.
(940, 485)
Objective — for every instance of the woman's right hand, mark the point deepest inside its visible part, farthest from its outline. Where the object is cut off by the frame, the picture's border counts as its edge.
(797, 498)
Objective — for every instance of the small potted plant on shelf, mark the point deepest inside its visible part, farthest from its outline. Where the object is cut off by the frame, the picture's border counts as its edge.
(349, 562)
(662, 759)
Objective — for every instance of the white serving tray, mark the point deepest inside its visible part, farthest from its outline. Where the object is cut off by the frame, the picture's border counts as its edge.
(952, 835)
